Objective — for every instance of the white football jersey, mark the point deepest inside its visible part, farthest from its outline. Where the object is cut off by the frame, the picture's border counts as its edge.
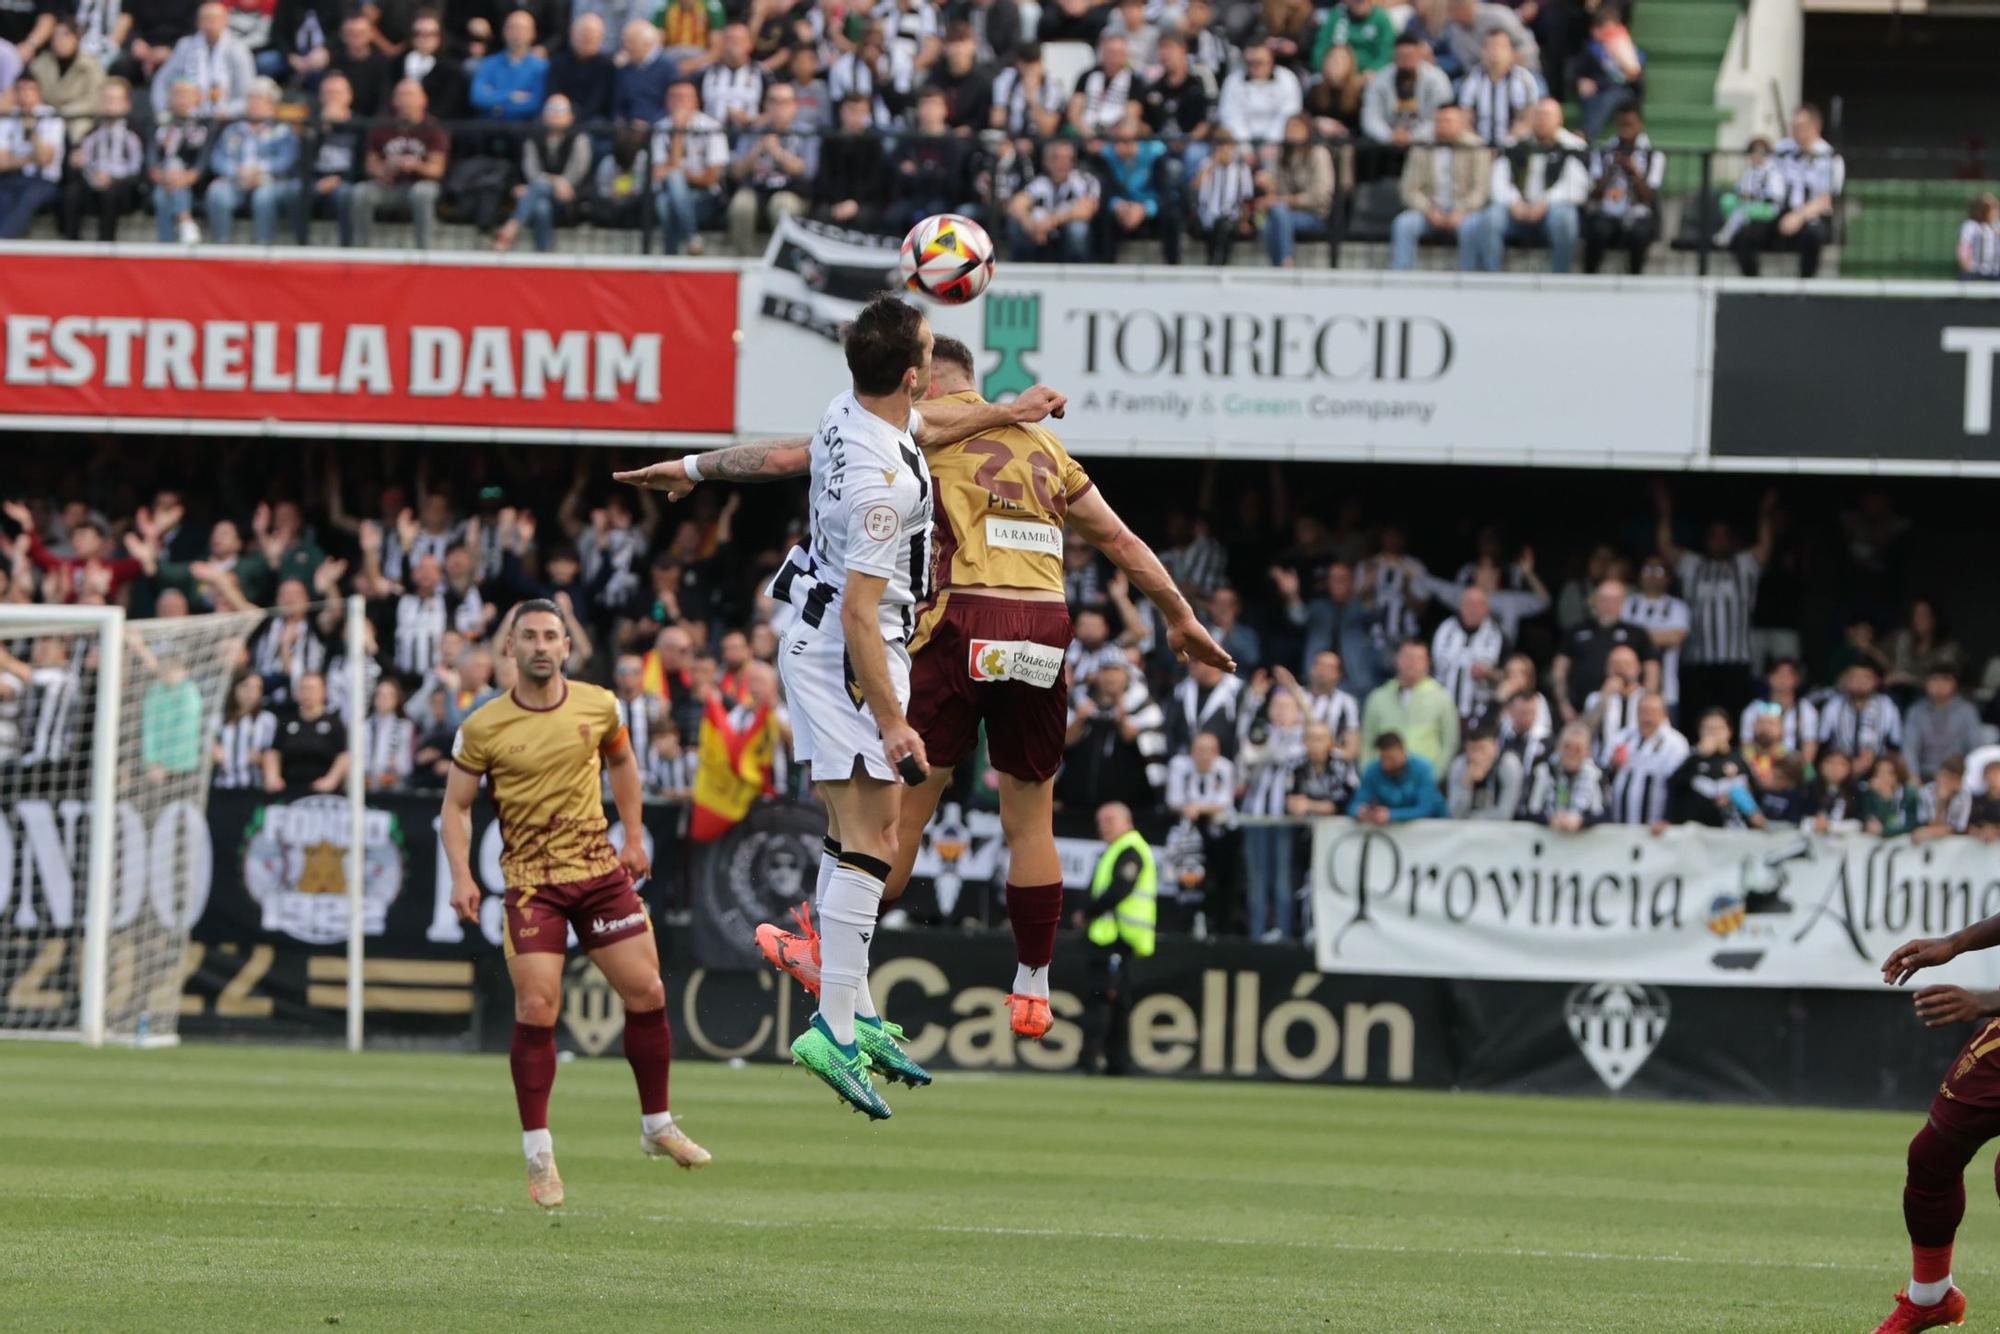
(871, 512)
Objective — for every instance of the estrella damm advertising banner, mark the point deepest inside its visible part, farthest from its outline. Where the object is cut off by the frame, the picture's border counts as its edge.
(328, 343)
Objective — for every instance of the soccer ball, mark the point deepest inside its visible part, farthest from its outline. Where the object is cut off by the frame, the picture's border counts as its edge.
(948, 257)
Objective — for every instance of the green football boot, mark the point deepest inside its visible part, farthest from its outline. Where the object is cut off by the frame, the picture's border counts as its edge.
(846, 1075)
(877, 1040)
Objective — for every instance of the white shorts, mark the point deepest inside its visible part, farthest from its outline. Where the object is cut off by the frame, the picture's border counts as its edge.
(832, 725)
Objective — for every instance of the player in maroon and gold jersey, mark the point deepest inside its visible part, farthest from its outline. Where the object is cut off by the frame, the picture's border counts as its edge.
(989, 649)
(1964, 1115)
(538, 750)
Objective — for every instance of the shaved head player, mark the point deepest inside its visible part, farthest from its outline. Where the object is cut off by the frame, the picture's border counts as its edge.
(988, 648)
(538, 749)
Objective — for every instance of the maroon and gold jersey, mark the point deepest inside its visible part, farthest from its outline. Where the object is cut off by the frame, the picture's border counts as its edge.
(543, 769)
(1000, 501)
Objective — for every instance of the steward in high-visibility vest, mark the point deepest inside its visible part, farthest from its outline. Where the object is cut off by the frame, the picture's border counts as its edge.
(1124, 896)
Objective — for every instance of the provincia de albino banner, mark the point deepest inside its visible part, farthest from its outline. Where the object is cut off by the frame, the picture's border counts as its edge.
(1620, 904)
(1195, 361)
(319, 343)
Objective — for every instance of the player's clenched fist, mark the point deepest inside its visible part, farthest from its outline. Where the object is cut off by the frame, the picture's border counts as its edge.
(465, 898)
(633, 856)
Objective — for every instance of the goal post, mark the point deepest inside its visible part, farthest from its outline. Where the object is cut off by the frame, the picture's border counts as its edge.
(105, 860)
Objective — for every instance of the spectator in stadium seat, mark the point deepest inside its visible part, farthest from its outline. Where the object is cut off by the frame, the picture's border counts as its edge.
(852, 182)
(732, 85)
(1626, 174)
(254, 163)
(1175, 104)
(1415, 707)
(1499, 94)
(1337, 620)
(772, 171)
(105, 169)
(31, 156)
(240, 738)
(1299, 194)
(1720, 584)
(444, 78)
(1581, 665)
(1811, 177)
(1610, 74)
(170, 717)
(1430, 24)
(1396, 786)
(217, 61)
(175, 163)
(1323, 782)
(1201, 790)
(1642, 763)
(388, 739)
(1445, 186)
(1888, 802)
(1944, 805)
(930, 167)
(302, 37)
(1978, 249)
(1940, 725)
(1485, 782)
(1129, 21)
(1333, 99)
(1050, 220)
(1115, 746)
(1612, 709)
(1225, 623)
(1362, 27)
(1225, 191)
(1713, 785)
(369, 73)
(1568, 791)
(91, 569)
(583, 72)
(1472, 20)
(71, 78)
(1400, 105)
(1026, 102)
(1142, 189)
(690, 152)
(1539, 186)
(511, 83)
(1206, 701)
(1105, 91)
(996, 26)
(1919, 647)
(639, 89)
(331, 156)
(966, 84)
(1274, 748)
(1466, 652)
(406, 160)
(555, 169)
(879, 70)
(310, 752)
(1258, 99)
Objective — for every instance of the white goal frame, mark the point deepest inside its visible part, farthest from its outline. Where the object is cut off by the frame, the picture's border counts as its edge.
(107, 625)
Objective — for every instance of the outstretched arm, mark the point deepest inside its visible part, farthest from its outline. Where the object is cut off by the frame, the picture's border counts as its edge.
(1103, 529)
(1916, 955)
(765, 461)
(947, 423)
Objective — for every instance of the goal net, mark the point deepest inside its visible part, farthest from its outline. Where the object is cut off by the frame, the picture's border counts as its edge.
(105, 759)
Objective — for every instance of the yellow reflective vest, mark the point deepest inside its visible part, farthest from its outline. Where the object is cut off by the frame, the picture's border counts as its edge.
(1135, 916)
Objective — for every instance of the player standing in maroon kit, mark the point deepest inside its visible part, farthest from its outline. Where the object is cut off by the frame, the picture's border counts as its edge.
(1964, 1115)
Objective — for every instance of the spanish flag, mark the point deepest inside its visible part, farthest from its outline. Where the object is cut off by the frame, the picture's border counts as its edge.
(733, 770)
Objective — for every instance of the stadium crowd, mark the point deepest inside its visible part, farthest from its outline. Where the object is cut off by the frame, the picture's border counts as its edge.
(1232, 121)
(1660, 682)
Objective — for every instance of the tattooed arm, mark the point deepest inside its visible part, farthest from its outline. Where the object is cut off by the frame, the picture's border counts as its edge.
(765, 461)
(776, 460)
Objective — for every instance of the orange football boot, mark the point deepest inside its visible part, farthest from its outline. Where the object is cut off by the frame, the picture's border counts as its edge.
(1029, 1015)
(796, 954)
(1908, 1317)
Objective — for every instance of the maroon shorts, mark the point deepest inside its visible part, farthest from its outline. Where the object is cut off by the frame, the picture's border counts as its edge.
(603, 911)
(1024, 723)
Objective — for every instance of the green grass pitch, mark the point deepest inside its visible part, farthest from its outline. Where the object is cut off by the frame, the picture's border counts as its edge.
(215, 1188)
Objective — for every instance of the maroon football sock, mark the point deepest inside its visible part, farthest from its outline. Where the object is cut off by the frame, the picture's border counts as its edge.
(1034, 912)
(649, 1049)
(1934, 1190)
(533, 1059)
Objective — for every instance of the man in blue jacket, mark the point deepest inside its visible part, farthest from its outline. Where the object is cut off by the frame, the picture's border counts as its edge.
(512, 84)
(1396, 786)
(639, 89)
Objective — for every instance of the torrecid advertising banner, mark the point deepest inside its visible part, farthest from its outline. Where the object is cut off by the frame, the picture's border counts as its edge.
(1200, 362)
(1618, 903)
(318, 343)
